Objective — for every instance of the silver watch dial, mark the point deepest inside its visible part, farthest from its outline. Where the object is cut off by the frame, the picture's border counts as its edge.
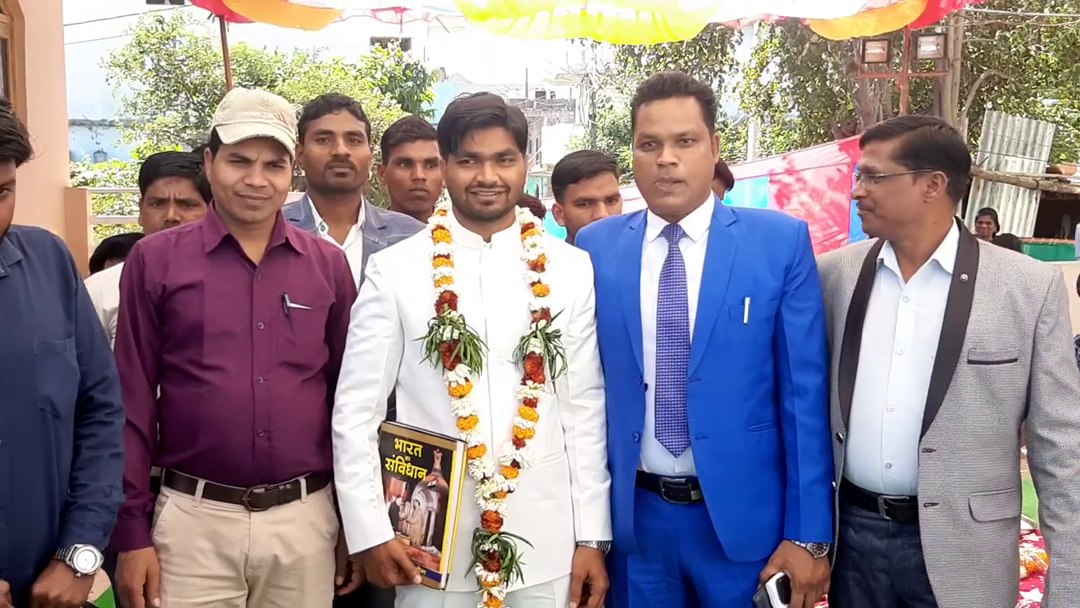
(85, 560)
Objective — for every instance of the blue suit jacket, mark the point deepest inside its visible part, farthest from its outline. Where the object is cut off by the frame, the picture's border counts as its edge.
(757, 391)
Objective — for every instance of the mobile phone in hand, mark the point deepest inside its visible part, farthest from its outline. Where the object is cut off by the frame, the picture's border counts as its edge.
(775, 593)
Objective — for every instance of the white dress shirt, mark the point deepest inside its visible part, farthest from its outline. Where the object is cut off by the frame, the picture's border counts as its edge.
(899, 344)
(354, 241)
(104, 290)
(654, 457)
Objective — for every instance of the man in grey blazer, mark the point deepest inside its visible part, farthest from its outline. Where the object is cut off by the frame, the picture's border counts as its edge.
(942, 346)
(334, 150)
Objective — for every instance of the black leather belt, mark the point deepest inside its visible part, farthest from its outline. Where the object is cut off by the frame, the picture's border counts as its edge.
(676, 490)
(255, 498)
(901, 509)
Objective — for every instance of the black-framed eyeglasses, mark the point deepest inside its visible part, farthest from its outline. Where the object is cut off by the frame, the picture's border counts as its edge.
(873, 179)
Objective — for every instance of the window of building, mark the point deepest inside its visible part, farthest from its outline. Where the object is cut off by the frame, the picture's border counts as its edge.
(5, 53)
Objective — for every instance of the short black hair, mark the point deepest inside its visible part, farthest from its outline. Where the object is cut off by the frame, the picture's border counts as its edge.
(477, 111)
(991, 213)
(330, 103)
(723, 173)
(926, 143)
(669, 85)
(579, 166)
(1078, 284)
(187, 165)
(405, 131)
(533, 204)
(115, 247)
(1009, 241)
(14, 138)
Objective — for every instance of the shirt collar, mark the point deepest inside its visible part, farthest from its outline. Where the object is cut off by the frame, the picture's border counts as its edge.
(9, 254)
(695, 224)
(510, 237)
(214, 233)
(944, 255)
(322, 227)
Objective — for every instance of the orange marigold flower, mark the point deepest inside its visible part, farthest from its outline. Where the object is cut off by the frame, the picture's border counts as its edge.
(526, 227)
(531, 232)
(524, 433)
(528, 413)
(447, 281)
(476, 452)
(491, 521)
(492, 602)
(442, 261)
(536, 377)
(500, 495)
(488, 583)
(533, 364)
(509, 472)
(441, 235)
(458, 391)
(540, 290)
(467, 423)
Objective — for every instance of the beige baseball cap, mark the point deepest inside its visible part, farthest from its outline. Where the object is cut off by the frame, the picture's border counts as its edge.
(248, 113)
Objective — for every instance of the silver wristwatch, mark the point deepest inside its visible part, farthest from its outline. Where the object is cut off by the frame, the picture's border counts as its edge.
(600, 545)
(84, 560)
(818, 550)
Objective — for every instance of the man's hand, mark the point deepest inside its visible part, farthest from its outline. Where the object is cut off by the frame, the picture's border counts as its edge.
(58, 587)
(5, 595)
(809, 576)
(588, 578)
(388, 565)
(348, 573)
(138, 578)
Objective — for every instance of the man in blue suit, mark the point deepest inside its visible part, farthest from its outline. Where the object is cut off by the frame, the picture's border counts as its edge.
(712, 334)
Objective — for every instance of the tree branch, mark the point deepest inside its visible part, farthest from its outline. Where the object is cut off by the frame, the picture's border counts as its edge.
(970, 99)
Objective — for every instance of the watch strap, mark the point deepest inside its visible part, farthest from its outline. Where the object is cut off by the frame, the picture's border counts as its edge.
(603, 546)
(818, 550)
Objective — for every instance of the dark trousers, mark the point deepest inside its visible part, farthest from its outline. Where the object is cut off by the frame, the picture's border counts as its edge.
(367, 596)
(879, 564)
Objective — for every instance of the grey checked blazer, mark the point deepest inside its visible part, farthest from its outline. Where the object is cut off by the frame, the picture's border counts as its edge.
(1004, 356)
(382, 228)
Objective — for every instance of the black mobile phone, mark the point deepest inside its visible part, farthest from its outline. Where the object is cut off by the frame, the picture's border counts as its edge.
(775, 593)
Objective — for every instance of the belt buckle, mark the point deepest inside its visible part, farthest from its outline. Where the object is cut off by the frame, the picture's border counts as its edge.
(245, 500)
(677, 485)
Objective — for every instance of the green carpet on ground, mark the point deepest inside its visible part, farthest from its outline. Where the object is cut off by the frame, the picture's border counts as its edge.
(106, 600)
(1031, 502)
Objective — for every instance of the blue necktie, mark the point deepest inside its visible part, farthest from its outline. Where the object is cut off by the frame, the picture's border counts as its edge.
(672, 348)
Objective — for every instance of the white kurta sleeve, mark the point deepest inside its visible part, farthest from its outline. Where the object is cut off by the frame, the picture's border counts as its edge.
(369, 372)
(583, 416)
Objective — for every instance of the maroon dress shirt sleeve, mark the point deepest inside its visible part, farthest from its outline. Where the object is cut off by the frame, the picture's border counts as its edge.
(337, 322)
(138, 348)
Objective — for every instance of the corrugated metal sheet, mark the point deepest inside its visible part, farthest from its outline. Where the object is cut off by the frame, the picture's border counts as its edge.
(1015, 144)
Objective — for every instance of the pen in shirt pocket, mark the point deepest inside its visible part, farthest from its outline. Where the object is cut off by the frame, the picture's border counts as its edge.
(287, 304)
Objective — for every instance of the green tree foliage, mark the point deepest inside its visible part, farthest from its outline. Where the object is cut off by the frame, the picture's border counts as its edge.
(171, 75)
(801, 83)
(111, 174)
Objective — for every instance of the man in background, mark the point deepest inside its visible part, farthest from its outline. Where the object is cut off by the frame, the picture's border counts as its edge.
(410, 167)
(172, 191)
(61, 420)
(722, 179)
(334, 150)
(586, 188)
(112, 250)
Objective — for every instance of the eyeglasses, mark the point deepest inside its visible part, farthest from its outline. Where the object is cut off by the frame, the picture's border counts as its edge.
(873, 179)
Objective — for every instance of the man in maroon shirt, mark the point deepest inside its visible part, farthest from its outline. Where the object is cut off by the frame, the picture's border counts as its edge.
(240, 320)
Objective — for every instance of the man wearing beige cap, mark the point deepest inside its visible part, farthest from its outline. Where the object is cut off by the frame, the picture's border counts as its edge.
(240, 319)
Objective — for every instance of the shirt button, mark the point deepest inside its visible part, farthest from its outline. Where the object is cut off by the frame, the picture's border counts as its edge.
(258, 277)
(262, 433)
(899, 351)
(261, 326)
(906, 299)
(891, 408)
(637, 437)
(888, 465)
(260, 380)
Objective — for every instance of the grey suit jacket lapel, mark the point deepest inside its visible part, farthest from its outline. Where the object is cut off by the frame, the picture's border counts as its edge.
(300, 215)
(953, 327)
(372, 231)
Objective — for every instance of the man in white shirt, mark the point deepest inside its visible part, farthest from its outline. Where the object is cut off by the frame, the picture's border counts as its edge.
(172, 191)
(529, 403)
(943, 346)
(334, 151)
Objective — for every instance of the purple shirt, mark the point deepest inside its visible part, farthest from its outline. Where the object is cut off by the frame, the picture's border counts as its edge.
(246, 389)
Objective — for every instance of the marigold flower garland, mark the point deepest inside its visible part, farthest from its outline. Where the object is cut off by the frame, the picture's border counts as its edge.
(453, 345)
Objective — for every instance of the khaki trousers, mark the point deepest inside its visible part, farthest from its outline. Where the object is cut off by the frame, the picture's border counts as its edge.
(217, 555)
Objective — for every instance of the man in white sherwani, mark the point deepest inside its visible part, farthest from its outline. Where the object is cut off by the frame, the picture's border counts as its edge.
(534, 420)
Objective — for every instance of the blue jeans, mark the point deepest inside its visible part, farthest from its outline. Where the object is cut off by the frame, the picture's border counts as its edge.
(879, 563)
